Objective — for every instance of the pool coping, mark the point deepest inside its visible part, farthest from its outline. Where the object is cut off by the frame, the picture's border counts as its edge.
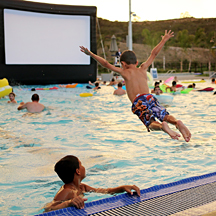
(127, 199)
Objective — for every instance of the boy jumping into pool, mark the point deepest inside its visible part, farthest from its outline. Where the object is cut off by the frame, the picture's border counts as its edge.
(71, 171)
(144, 105)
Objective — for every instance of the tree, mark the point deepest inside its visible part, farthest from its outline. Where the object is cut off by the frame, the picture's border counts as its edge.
(151, 39)
(200, 38)
(211, 42)
(184, 41)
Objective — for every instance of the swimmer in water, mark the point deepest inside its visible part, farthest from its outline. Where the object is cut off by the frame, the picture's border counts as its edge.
(173, 87)
(144, 105)
(96, 84)
(32, 107)
(112, 82)
(71, 171)
(156, 85)
(119, 90)
(12, 98)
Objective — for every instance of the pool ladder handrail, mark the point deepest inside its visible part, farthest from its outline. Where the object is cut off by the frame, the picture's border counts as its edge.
(170, 71)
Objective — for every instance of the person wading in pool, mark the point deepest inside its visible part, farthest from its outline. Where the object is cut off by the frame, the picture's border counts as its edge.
(156, 85)
(157, 90)
(173, 87)
(32, 107)
(119, 90)
(12, 98)
(143, 103)
(71, 171)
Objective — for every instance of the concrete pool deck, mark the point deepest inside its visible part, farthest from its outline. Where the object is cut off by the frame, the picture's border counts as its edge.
(208, 209)
(182, 76)
(161, 76)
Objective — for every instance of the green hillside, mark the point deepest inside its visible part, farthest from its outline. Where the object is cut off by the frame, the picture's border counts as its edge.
(190, 49)
(192, 25)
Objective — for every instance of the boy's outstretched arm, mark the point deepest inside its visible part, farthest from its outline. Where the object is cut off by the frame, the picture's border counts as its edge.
(101, 60)
(157, 49)
(120, 189)
(124, 188)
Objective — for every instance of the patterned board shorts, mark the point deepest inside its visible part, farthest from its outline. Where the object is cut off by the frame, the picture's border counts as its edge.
(147, 108)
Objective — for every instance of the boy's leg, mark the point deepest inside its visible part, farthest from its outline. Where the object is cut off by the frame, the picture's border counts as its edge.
(180, 126)
(164, 126)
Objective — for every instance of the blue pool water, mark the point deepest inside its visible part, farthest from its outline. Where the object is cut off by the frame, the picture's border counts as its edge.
(110, 141)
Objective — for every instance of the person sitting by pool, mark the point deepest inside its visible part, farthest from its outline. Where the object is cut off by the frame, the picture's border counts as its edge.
(213, 81)
(172, 88)
(192, 85)
(71, 171)
(12, 98)
(112, 82)
(156, 85)
(119, 91)
(138, 91)
(32, 107)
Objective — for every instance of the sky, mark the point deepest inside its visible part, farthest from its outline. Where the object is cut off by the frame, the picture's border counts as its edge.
(146, 10)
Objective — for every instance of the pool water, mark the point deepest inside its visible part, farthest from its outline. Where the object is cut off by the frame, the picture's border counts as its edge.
(106, 136)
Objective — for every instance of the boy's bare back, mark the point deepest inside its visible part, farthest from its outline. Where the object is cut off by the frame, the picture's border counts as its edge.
(135, 81)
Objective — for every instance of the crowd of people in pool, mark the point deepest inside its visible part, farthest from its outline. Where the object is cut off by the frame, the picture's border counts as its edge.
(145, 105)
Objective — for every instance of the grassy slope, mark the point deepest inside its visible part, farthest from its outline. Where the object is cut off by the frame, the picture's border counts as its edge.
(173, 53)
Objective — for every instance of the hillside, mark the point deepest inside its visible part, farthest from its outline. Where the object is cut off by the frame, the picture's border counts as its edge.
(120, 29)
(174, 53)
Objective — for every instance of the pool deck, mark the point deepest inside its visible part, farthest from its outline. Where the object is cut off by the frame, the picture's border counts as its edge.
(204, 210)
(164, 76)
(192, 196)
(181, 76)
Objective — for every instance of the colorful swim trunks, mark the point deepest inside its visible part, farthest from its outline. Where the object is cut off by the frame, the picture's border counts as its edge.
(147, 108)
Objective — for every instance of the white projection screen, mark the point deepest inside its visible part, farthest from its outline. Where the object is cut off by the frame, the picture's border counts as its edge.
(34, 38)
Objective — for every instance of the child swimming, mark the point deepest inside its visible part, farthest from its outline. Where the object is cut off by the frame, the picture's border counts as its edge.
(144, 105)
(71, 171)
(12, 98)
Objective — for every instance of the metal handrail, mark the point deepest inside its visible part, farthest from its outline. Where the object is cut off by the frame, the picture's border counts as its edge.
(212, 75)
(170, 71)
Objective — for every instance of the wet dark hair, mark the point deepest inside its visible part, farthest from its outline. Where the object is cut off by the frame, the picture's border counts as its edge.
(119, 84)
(96, 84)
(66, 168)
(12, 93)
(156, 83)
(129, 57)
(194, 84)
(33, 89)
(173, 83)
(35, 97)
(213, 79)
(113, 79)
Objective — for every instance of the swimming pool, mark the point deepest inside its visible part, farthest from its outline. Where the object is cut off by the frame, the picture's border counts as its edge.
(110, 141)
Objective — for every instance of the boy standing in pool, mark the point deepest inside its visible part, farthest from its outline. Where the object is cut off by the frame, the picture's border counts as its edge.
(144, 105)
(12, 98)
(71, 171)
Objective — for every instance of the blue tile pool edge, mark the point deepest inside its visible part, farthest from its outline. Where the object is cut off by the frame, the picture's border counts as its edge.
(127, 199)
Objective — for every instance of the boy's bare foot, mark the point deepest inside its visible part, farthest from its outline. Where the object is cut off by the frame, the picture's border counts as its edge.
(184, 130)
(173, 134)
